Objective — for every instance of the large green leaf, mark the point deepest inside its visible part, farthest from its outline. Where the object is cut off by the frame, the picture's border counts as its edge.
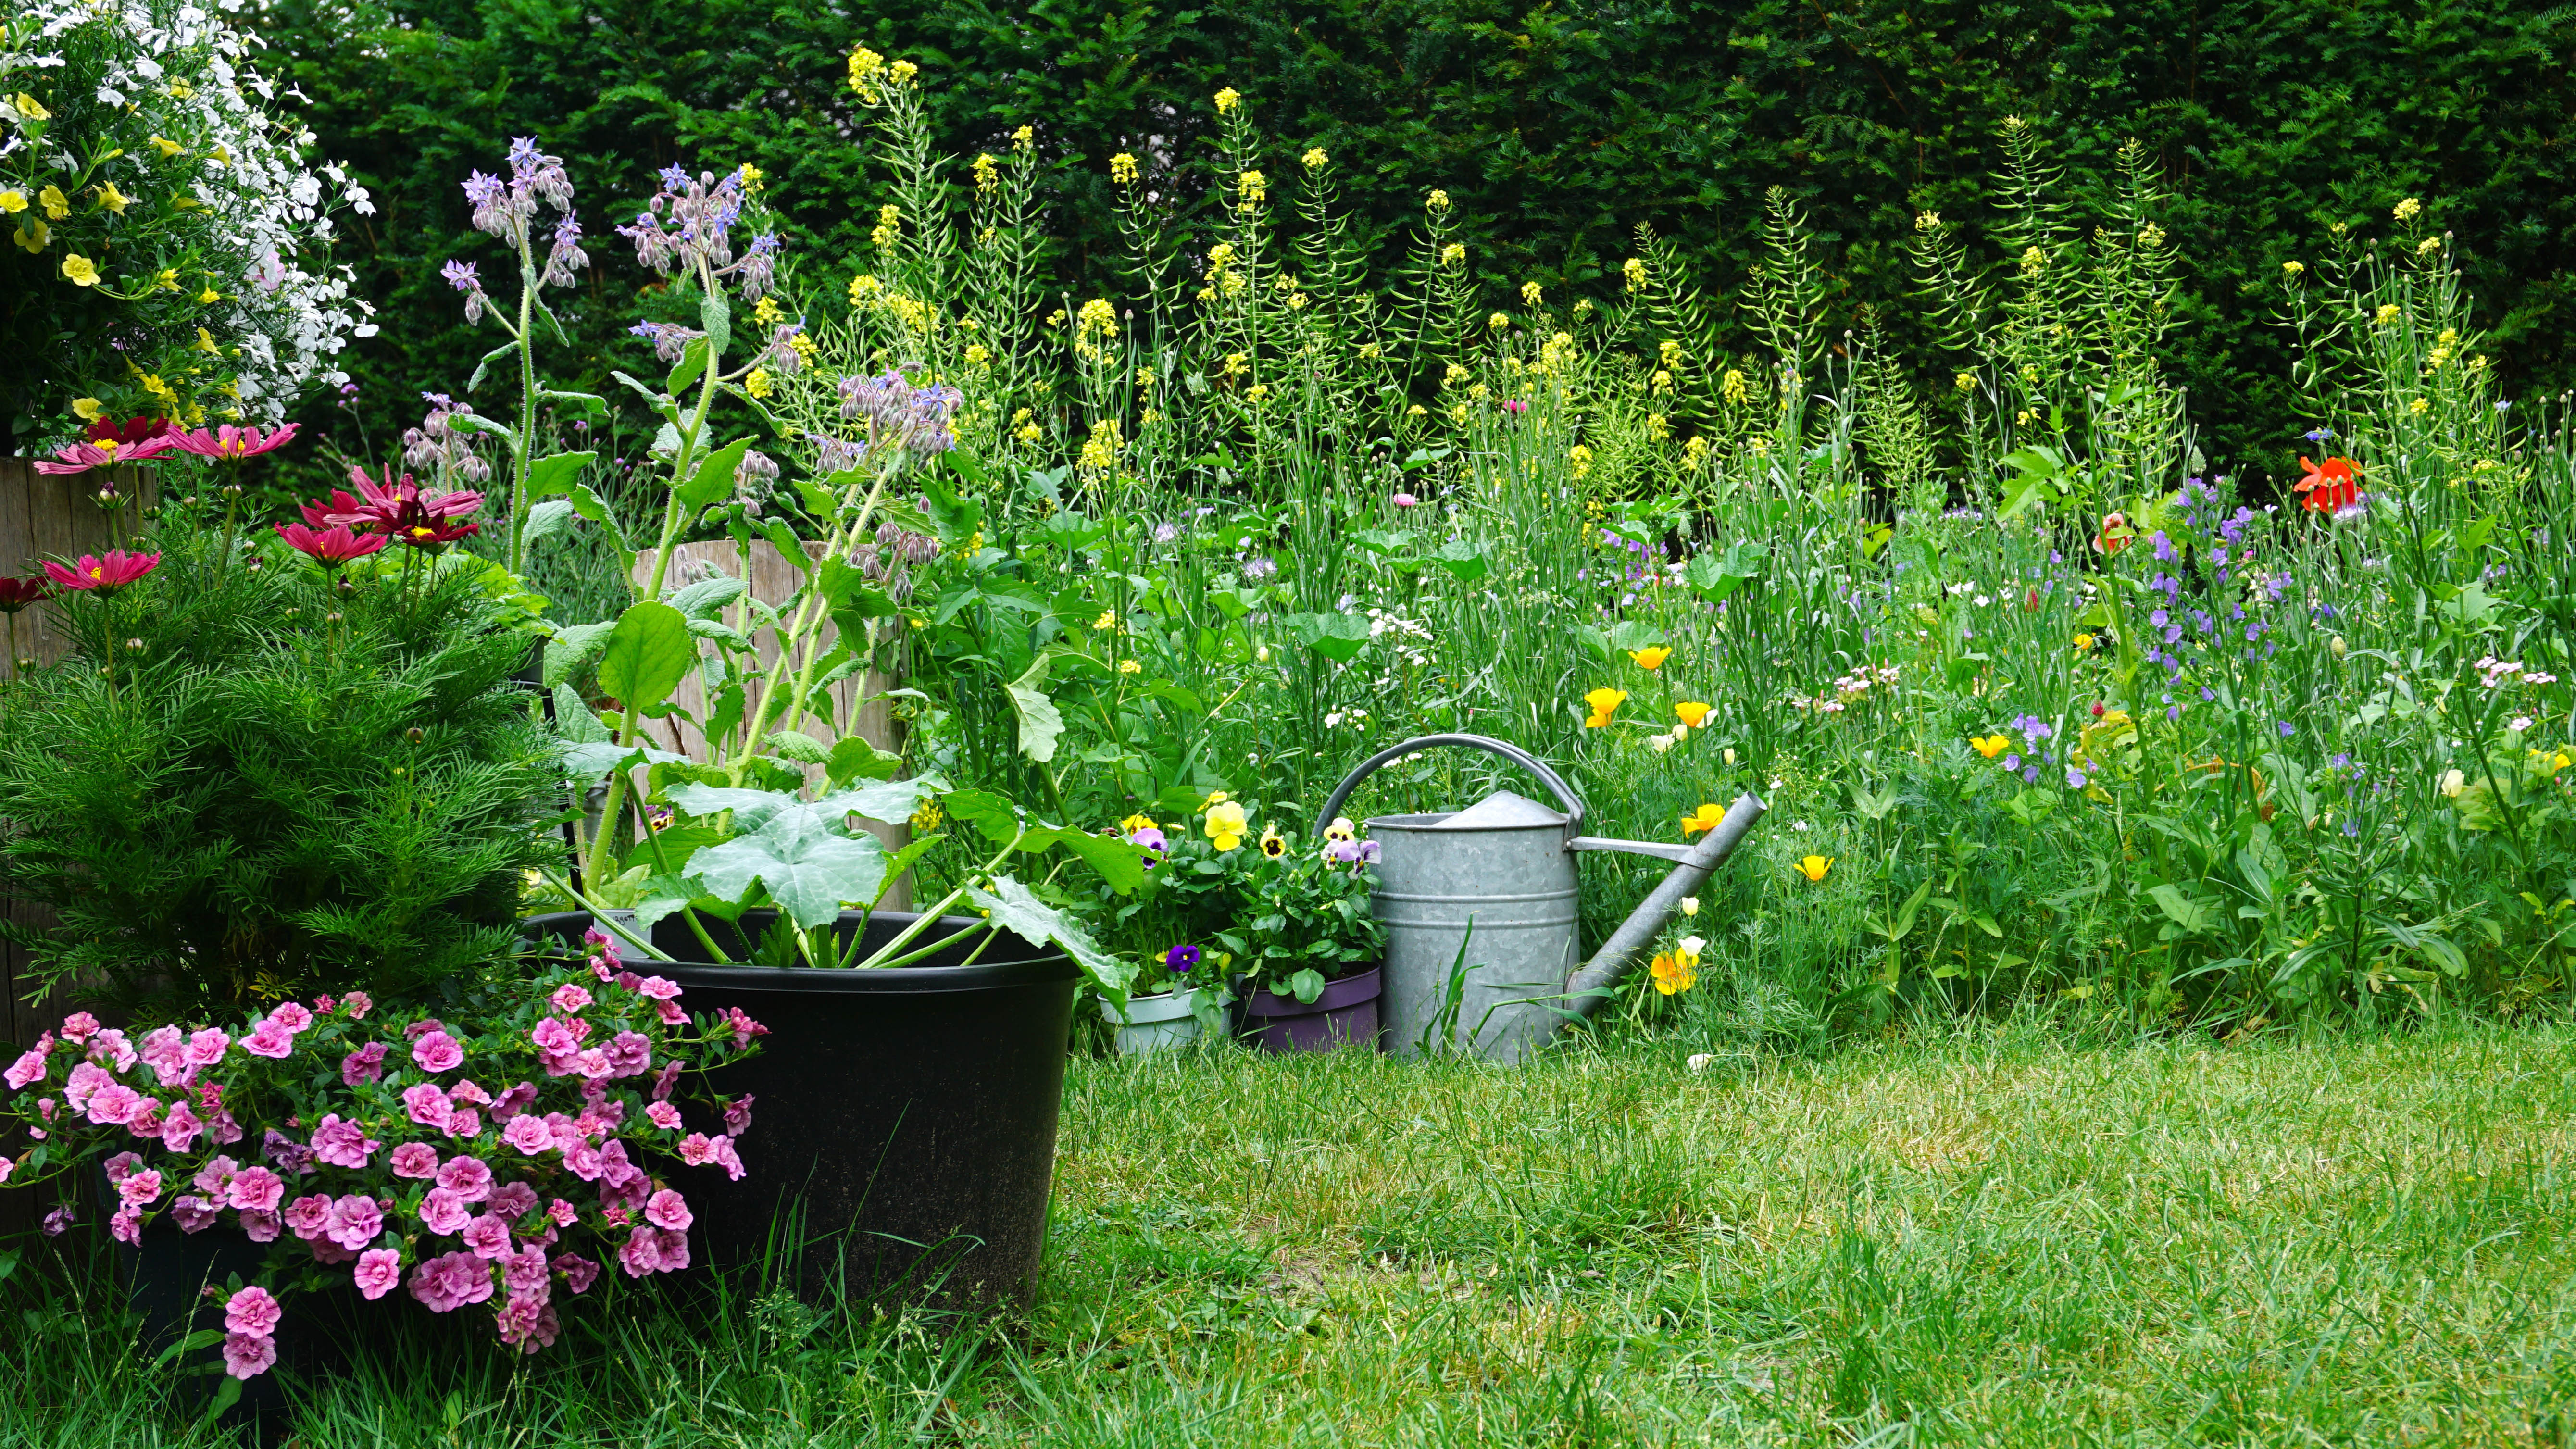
(1040, 722)
(1337, 637)
(551, 475)
(573, 647)
(714, 478)
(802, 859)
(648, 654)
(1017, 909)
(890, 801)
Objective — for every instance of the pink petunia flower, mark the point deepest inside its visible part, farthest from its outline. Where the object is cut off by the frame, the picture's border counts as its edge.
(444, 1213)
(355, 1221)
(438, 1052)
(470, 1178)
(255, 1189)
(414, 1160)
(379, 1269)
(667, 1209)
(248, 1355)
(343, 1144)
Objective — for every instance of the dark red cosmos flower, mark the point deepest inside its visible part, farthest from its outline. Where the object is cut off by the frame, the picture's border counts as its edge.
(230, 444)
(2328, 486)
(16, 594)
(103, 576)
(329, 545)
(398, 511)
(319, 514)
(129, 432)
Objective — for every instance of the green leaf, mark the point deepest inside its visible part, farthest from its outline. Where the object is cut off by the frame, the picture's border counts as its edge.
(556, 472)
(574, 721)
(572, 649)
(715, 315)
(1337, 636)
(798, 746)
(704, 598)
(714, 478)
(693, 360)
(1017, 909)
(1040, 723)
(892, 801)
(653, 398)
(808, 866)
(648, 654)
(1464, 561)
(853, 758)
(493, 356)
(548, 519)
(1121, 866)
(477, 423)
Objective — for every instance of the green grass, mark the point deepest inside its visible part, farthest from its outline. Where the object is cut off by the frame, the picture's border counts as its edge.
(1999, 1238)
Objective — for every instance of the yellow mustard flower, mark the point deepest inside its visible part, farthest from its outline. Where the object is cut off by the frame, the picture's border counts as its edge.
(1315, 159)
(1651, 657)
(1108, 620)
(1604, 703)
(1122, 169)
(757, 383)
(1130, 666)
(1227, 99)
(1635, 271)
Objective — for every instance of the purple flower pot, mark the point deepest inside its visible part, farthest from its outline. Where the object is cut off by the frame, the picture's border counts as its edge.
(1344, 1015)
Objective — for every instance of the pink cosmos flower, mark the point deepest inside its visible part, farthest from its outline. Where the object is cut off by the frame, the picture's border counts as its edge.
(248, 1355)
(513, 1200)
(207, 1046)
(579, 1272)
(193, 1214)
(438, 1052)
(667, 1209)
(255, 1189)
(664, 1116)
(259, 1227)
(269, 1039)
(125, 1225)
(179, 1131)
(113, 1104)
(444, 1213)
(415, 1160)
(355, 1221)
(658, 988)
(231, 444)
(379, 1269)
(139, 1189)
(427, 1105)
(366, 1064)
(343, 1144)
(28, 1067)
(488, 1236)
(102, 576)
(696, 1150)
(528, 1134)
(569, 998)
(470, 1178)
(292, 1016)
(252, 1310)
(309, 1217)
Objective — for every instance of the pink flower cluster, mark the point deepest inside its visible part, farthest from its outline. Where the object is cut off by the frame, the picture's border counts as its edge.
(398, 1165)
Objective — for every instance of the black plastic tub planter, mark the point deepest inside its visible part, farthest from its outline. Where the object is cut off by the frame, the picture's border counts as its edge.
(903, 1118)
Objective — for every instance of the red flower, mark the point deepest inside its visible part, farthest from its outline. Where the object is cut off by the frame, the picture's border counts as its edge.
(399, 511)
(16, 594)
(2115, 534)
(231, 443)
(132, 430)
(329, 545)
(103, 576)
(83, 456)
(2329, 485)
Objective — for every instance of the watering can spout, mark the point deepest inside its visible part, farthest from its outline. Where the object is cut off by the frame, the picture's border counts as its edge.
(1618, 956)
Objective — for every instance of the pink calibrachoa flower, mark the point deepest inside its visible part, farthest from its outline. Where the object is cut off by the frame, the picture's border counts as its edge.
(438, 1052)
(451, 1281)
(366, 1064)
(569, 998)
(252, 1310)
(696, 1150)
(179, 1130)
(471, 1095)
(728, 1158)
(79, 1026)
(562, 1212)
(343, 1144)
(114, 1104)
(470, 1178)
(658, 988)
(260, 1227)
(667, 1209)
(579, 1272)
(309, 1216)
(663, 1115)
(379, 1269)
(653, 1250)
(513, 1200)
(737, 1116)
(139, 1189)
(425, 1104)
(488, 1236)
(102, 576)
(444, 1213)
(630, 1054)
(194, 1214)
(248, 1355)
(256, 1189)
(357, 1004)
(355, 1221)
(292, 1016)
(85, 1081)
(207, 1047)
(414, 1160)
(529, 1324)
(269, 1039)
(514, 1101)
(529, 1135)
(29, 1066)
(125, 1225)
(744, 1028)
(110, 1047)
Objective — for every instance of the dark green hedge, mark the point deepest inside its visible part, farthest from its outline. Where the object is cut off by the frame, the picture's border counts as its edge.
(1556, 128)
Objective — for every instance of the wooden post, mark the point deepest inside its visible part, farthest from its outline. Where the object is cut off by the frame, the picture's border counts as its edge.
(858, 705)
(46, 516)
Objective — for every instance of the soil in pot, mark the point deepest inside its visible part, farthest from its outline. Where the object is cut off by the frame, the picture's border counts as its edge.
(903, 1121)
(1345, 1014)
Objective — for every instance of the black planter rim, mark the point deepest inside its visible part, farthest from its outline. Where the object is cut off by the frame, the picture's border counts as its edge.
(1034, 966)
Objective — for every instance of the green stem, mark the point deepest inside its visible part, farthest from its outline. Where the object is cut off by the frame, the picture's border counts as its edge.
(600, 917)
(526, 445)
(923, 923)
(662, 863)
(795, 637)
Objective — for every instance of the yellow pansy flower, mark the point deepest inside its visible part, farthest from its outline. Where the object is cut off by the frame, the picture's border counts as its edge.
(1134, 823)
(1273, 844)
(1225, 825)
(1604, 703)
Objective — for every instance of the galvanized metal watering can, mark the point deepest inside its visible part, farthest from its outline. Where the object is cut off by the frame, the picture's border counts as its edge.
(1480, 910)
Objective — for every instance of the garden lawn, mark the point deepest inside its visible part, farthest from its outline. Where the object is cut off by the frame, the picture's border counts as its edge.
(1982, 1239)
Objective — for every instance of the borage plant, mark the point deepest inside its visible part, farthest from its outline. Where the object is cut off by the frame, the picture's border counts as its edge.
(496, 1156)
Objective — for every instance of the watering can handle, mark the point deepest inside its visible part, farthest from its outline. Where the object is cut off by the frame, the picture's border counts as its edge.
(1564, 794)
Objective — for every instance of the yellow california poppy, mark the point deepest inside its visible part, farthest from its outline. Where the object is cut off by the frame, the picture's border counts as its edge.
(1704, 818)
(1691, 712)
(1672, 973)
(1814, 867)
(1650, 657)
(1992, 745)
(1604, 702)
